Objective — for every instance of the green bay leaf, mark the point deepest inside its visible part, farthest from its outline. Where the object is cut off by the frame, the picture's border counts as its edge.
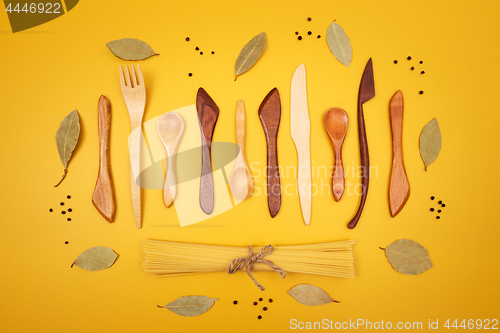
(190, 306)
(408, 257)
(96, 258)
(311, 295)
(249, 54)
(430, 142)
(339, 43)
(130, 49)
(66, 139)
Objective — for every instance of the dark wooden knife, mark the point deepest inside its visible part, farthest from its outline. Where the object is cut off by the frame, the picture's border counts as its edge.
(270, 114)
(366, 92)
(208, 112)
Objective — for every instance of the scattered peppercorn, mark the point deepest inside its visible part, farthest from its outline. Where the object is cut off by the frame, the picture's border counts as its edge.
(213, 52)
(260, 317)
(66, 242)
(422, 72)
(63, 212)
(190, 74)
(432, 198)
(254, 303)
(264, 308)
(409, 58)
(440, 202)
(439, 210)
(309, 19)
(70, 210)
(260, 299)
(197, 48)
(412, 68)
(319, 36)
(235, 302)
(201, 53)
(443, 205)
(432, 209)
(421, 62)
(296, 32)
(62, 203)
(51, 210)
(69, 197)
(309, 33)
(395, 61)
(69, 219)
(421, 92)
(270, 300)
(299, 38)
(187, 39)
(438, 217)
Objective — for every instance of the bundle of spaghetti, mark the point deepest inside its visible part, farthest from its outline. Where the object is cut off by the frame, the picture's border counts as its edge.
(165, 258)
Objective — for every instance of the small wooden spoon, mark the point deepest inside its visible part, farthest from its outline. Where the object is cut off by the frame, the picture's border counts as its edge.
(170, 127)
(336, 123)
(241, 180)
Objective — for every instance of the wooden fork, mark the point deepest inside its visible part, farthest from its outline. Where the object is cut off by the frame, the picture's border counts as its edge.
(134, 94)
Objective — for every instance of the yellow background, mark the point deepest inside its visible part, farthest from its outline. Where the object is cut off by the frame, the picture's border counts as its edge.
(64, 64)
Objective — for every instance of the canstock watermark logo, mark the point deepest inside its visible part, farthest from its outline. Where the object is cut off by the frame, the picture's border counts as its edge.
(28, 14)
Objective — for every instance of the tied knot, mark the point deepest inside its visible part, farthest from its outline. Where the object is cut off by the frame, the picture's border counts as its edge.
(248, 262)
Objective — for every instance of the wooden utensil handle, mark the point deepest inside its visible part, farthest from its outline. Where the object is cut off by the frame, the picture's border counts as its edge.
(206, 181)
(135, 160)
(273, 178)
(338, 179)
(170, 184)
(240, 126)
(365, 165)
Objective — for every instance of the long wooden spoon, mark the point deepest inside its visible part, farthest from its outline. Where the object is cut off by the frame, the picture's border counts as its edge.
(399, 187)
(208, 112)
(336, 123)
(103, 197)
(170, 127)
(270, 114)
(241, 180)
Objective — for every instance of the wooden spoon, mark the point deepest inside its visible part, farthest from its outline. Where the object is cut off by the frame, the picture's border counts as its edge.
(170, 127)
(270, 114)
(103, 198)
(336, 123)
(241, 180)
(399, 187)
(208, 112)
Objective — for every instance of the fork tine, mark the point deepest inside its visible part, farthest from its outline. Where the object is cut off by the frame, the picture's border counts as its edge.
(128, 77)
(140, 79)
(133, 77)
(123, 82)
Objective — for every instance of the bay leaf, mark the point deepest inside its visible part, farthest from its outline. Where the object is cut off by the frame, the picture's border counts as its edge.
(190, 306)
(430, 142)
(131, 49)
(408, 257)
(309, 294)
(66, 139)
(339, 43)
(96, 258)
(249, 54)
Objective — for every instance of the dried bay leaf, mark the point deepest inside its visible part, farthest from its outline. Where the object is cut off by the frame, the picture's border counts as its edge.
(308, 294)
(339, 43)
(408, 257)
(131, 49)
(190, 306)
(96, 258)
(430, 142)
(249, 54)
(66, 139)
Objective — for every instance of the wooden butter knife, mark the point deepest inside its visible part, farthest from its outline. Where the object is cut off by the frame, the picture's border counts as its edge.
(270, 114)
(208, 112)
(300, 128)
(103, 197)
(399, 187)
(366, 92)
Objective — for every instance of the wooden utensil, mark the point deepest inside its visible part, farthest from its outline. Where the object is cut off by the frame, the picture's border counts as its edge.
(336, 123)
(134, 94)
(269, 114)
(208, 112)
(103, 197)
(170, 127)
(399, 187)
(241, 180)
(300, 128)
(366, 92)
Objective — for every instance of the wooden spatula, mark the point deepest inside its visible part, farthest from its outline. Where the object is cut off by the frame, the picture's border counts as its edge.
(170, 127)
(208, 112)
(300, 128)
(270, 114)
(399, 187)
(336, 123)
(103, 197)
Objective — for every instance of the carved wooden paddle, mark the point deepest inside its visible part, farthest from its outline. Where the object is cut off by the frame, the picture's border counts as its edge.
(399, 187)
(270, 114)
(103, 197)
(208, 112)
(336, 123)
(170, 127)
(366, 92)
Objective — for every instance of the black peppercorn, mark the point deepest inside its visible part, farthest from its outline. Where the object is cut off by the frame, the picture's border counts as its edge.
(213, 52)
(422, 72)
(70, 210)
(235, 302)
(440, 202)
(432, 198)
(190, 74)
(296, 32)
(260, 317)
(260, 299)
(68, 219)
(309, 33)
(63, 212)
(309, 19)
(254, 303)
(409, 58)
(421, 62)
(439, 210)
(201, 53)
(62, 203)
(421, 92)
(432, 209)
(270, 300)
(51, 210)
(319, 36)
(412, 68)
(299, 38)
(443, 205)
(395, 61)
(66, 242)
(187, 39)
(438, 217)
(69, 197)
(197, 48)
(264, 308)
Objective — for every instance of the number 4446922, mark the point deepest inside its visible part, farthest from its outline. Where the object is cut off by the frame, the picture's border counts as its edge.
(41, 8)
(485, 324)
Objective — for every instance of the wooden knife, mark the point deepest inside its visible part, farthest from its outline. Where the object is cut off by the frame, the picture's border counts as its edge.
(300, 127)
(208, 112)
(270, 114)
(366, 92)
(399, 187)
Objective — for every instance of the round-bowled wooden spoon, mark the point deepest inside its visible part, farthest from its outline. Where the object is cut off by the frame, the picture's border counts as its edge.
(336, 123)
(170, 127)
(241, 180)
